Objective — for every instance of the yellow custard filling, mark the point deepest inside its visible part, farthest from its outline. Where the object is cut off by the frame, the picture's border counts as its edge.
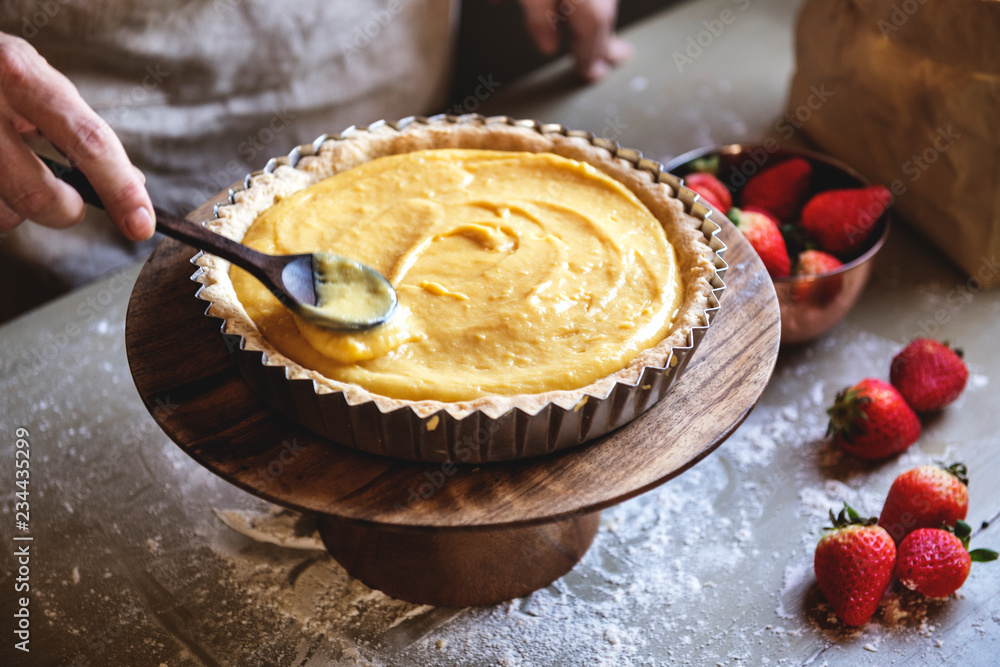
(516, 273)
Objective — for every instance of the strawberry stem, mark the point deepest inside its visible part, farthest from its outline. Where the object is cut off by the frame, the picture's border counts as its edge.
(847, 414)
(959, 471)
(848, 516)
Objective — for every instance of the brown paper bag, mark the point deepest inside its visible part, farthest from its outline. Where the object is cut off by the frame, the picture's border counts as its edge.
(912, 100)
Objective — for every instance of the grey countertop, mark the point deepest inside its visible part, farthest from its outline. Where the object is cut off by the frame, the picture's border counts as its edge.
(141, 557)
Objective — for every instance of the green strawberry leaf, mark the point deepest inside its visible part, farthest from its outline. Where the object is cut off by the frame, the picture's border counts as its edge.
(847, 415)
(848, 517)
(708, 164)
(795, 240)
(982, 555)
(962, 530)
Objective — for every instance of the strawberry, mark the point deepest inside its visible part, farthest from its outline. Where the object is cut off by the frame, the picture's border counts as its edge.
(925, 497)
(872, 420)
(936, 561)
(929, 374)
(711, 190)
(840, 221)
(761, 230)
(780, 190)
(853, 565)
(816, 263)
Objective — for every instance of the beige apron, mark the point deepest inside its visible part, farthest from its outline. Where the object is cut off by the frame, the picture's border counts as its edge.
(202, 92)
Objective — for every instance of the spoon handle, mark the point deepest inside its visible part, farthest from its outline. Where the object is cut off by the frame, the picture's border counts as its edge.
(198, 236)
(174, 226)
(75, 179)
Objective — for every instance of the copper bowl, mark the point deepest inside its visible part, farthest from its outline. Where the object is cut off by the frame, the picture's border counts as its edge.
(810, 305)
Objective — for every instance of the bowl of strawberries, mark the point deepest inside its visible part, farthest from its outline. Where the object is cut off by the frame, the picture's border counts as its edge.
(816, 224)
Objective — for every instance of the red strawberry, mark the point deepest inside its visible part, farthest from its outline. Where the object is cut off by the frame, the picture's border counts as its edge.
(929, 374)
(936, 562)
(780, 190)
(816, 263)
(817, 292)
(853, 565)
(711, 189)
(840, 221)
(872, 420)
(761, 230)
(925, 497)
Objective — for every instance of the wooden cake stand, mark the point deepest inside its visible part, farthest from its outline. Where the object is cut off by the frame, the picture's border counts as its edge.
(435, 533)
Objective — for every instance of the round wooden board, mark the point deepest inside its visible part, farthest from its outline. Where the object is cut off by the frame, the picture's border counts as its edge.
(184, 375)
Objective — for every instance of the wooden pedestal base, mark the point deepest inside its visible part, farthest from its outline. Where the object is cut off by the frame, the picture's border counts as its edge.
(453, 568)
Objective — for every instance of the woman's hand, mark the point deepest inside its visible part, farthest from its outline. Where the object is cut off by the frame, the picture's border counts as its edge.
(590, 25)
(35, 100)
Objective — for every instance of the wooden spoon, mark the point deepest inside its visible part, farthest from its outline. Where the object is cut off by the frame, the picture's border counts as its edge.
(325, 289)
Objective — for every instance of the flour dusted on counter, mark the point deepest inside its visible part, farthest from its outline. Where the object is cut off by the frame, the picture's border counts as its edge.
(647, 585)
(276, 558)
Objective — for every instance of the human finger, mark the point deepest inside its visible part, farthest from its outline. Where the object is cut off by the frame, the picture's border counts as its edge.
(9, 218)
(30, 190)
(542, 18)
(48, 100)
(591, 28)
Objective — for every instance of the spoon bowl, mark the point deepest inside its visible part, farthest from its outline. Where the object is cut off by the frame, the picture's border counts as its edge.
(324, 284)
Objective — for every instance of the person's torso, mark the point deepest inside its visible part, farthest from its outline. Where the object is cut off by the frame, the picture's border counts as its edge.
(204, 91)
